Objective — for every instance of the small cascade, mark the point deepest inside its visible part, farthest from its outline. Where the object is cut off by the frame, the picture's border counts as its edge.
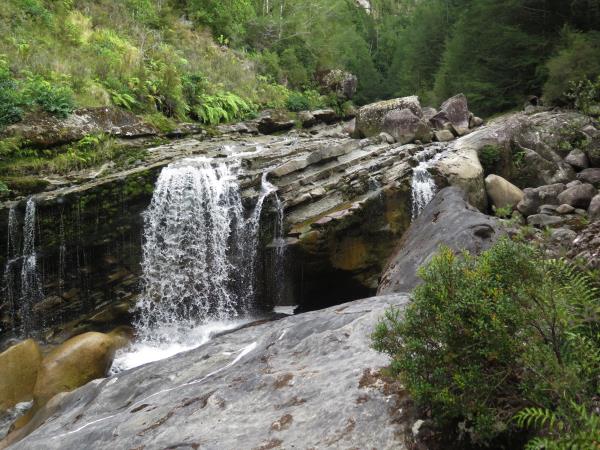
(12, 260)
(31, 285)
(279, 262)
(423, 185)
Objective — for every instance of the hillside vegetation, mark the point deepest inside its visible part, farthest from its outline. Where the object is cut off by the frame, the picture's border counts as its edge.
(178, 58)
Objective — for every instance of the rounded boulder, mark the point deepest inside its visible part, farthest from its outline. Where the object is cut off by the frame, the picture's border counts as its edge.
(74, 363)
(19, 366)
(502, 193)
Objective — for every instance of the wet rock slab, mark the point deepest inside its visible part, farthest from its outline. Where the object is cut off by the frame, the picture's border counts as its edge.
(306, 381)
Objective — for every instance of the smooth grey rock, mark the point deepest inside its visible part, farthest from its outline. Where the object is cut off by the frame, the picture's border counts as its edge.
(448, 220)
(565, 209)
(594, 208)
(591, 176)
(406, 127)
(502, 192)
(578, 196)
(573, 183)
(581, 212)
(305, 381)
(578, 159)
(536, 197)
(457, 111)
(544, 220)
(327, 116)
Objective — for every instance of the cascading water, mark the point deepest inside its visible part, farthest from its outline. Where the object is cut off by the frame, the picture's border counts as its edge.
(199, 259)
(31, 286)
(191, 230)
(12, 258)
(423, 185)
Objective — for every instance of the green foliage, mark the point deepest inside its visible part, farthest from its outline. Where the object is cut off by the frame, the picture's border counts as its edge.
(3, 188)
(573, 71)
(303, 101)
(10, 99)
(489, 336)
(221, 107)
(489, 156)
(52, 98)
(585, 96)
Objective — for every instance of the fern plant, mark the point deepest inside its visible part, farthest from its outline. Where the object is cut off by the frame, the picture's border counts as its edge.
(222, 107)
(575, 429)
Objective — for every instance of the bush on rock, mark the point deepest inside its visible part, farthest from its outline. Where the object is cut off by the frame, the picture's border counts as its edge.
(488, 336)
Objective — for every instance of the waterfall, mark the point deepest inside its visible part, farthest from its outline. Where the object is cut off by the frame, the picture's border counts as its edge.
(31, 285)
(199, 259)
(191, 230)
(423, 186)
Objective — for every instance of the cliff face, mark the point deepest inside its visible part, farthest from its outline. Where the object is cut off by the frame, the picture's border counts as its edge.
(347, 204)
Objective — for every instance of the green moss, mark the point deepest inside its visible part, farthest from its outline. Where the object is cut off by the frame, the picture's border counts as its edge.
(26, 185)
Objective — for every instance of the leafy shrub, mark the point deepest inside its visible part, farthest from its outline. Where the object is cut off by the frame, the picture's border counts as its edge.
(10, 99)
(488, 336)
(489, 156)
(49, 97)
(3, 188)
(585, 96)
(297, 102)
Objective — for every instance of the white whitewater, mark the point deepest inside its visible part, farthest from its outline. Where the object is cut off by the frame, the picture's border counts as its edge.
(199, 259)
(423, 186)
(31, 285)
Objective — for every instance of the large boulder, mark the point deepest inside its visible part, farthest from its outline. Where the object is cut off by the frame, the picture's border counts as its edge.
(271, 121)
(74, 363)
(457, 111)
(502, 193)
(536, 197)
(448, 220)
(19, 367)
(307, 381)
(461, 167)
(578, 196)
(592, 150)
(594, 208)
(578, 159)
(369, 118)
(405, 127)
(45, 130)
(591, 176)
(342, 83)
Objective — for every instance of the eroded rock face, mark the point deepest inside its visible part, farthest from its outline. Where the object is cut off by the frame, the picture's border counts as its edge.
(45, 130)
(448, 220)
(369, 118)
(260, 385)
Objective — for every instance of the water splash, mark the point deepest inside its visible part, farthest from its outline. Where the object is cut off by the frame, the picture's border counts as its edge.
(31, 285)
